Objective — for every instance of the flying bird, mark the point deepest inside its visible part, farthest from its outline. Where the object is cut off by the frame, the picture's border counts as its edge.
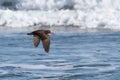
(41, 35)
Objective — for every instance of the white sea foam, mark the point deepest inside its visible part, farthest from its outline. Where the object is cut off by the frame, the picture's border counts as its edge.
(83, 13)
(30, 66)
(110, 68)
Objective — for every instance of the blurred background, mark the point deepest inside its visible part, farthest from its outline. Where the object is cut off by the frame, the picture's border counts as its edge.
(85, 14)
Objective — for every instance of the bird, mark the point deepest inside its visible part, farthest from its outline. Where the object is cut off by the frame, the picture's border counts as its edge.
(41, 35)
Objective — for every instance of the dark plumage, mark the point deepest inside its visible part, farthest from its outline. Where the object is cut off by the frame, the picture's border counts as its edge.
(43, 36)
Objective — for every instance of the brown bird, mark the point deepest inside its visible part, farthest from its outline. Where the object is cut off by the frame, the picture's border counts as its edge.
(41, 35)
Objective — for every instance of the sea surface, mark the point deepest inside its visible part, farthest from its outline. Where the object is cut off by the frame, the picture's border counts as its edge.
(72, 56)
(85, 46)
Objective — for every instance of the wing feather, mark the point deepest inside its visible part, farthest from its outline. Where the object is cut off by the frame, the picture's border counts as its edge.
(36, 40)
(46, 44)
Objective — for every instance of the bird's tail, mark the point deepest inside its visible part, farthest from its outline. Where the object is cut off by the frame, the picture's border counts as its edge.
(29, 33)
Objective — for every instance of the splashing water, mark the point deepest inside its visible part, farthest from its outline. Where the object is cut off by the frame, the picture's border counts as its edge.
(83, 13)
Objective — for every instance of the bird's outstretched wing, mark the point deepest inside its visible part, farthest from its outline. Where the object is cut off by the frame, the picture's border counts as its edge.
(46, 44)
(36, 40)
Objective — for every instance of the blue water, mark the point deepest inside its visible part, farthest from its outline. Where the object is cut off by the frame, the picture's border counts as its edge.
(72, 56)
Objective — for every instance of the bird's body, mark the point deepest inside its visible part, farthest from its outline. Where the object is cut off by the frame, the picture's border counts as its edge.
(41, 35)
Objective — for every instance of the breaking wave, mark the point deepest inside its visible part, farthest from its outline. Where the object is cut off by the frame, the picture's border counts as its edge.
(82, 13)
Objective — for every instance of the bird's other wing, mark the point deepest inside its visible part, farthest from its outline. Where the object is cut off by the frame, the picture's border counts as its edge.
(36, 40)
(46, 44)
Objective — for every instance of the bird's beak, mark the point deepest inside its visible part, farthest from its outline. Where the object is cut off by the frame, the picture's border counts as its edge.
(52, 33)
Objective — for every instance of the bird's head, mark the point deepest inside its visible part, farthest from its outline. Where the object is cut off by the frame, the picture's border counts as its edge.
(49, 32)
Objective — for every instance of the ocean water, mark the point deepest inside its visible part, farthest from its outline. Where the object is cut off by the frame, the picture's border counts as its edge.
(73, 56)
(85, 45)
